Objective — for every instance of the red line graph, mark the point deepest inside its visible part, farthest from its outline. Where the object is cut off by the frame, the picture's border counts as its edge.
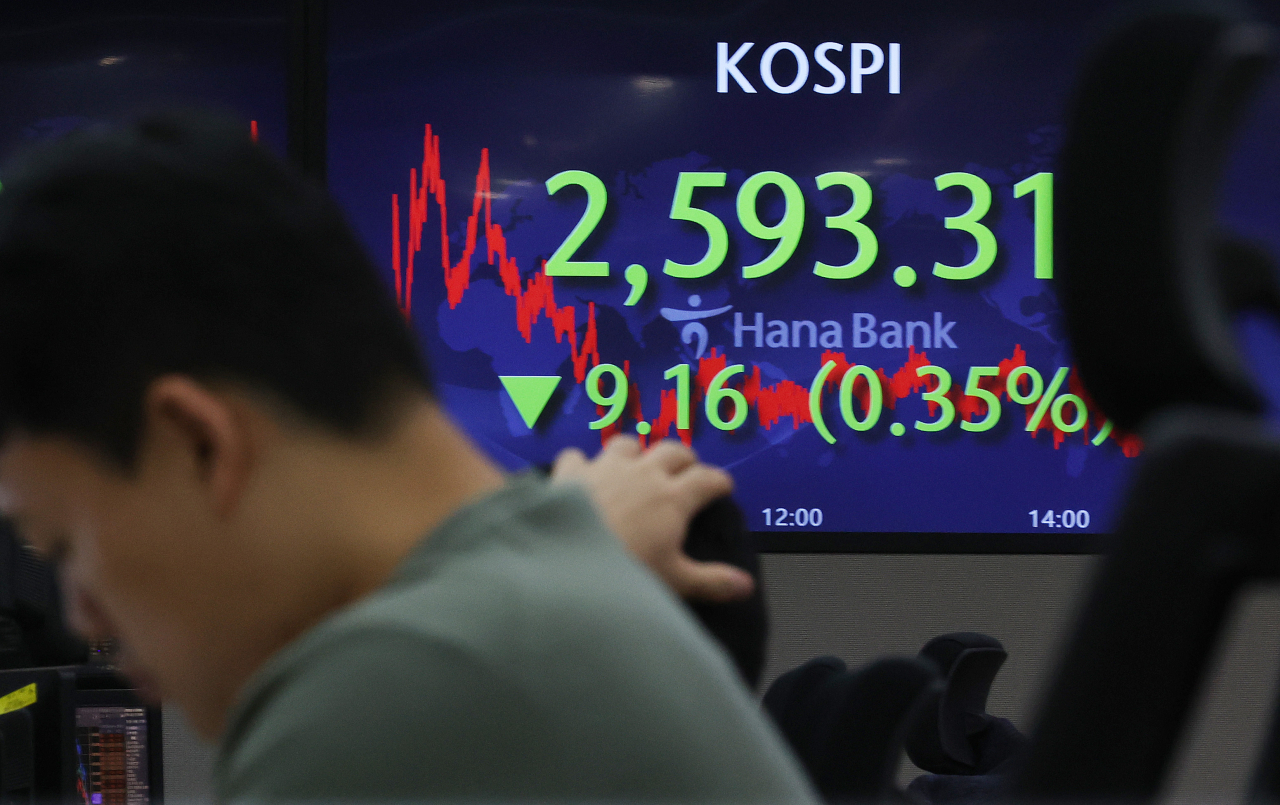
(536, 297)
(533, 298)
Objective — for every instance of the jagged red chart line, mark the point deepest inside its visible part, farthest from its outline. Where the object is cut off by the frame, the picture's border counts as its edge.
(535, 297)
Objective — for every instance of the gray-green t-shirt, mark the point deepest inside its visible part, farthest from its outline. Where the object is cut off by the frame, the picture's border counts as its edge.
(518, 654)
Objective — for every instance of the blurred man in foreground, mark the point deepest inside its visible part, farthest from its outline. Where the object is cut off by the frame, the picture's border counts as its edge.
(217, 424)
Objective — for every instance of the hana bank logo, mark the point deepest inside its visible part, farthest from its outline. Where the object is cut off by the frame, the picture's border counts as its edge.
(695, 328)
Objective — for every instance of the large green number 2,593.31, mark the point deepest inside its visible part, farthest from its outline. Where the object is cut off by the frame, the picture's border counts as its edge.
(789, 228)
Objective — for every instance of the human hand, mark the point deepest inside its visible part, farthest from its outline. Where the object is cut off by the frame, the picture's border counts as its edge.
(648, 497)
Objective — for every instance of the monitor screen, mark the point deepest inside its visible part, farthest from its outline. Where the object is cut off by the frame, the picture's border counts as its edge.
(111, 756)
(812, 240)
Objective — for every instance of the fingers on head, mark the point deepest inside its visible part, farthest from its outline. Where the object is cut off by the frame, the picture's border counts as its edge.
(622, 446)
(672, 455)
(569, 461)
(703, 483)
(714, 582)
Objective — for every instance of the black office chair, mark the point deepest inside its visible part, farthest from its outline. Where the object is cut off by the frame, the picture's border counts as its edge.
(953, 735)
(1149, 287)
(847, 726)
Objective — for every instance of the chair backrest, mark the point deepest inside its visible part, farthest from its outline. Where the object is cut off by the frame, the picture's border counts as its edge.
(1149, 287)
(847, 726)
(942, 739)
(1200, 522)
(1147, 284)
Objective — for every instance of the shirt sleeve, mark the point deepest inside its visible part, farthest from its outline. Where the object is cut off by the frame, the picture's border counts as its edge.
(380, 715)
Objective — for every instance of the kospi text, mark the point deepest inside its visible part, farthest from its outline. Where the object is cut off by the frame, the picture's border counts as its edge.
(791, 63)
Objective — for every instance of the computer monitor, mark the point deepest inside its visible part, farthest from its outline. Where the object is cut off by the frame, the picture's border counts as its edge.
(82, 737)
(115, 744)
(813, 240)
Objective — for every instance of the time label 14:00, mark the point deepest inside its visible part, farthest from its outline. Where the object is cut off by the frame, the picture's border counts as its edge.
(726, 408)
(1066, 518)
(788, 229)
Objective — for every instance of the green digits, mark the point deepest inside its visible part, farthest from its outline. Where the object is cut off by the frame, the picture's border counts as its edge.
(938, 397)
(972, 389)
(682, 209)
(716, 392)
(681, 374)
(786, 231)
(969, 222)
(616, 401)
(559, 265)
(875, 398)
(851, 222)
(1041, 185)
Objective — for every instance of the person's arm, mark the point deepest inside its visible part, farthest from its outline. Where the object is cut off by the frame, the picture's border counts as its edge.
(648, 497)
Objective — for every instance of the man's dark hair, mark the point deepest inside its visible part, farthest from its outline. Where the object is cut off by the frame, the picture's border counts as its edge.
(176, 245)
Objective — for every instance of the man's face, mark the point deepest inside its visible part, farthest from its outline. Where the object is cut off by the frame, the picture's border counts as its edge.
(140, 560)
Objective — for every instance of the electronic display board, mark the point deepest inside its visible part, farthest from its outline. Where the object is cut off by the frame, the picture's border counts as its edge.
(812, 240)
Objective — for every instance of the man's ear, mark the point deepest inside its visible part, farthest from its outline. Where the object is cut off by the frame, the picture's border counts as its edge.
(208, 430)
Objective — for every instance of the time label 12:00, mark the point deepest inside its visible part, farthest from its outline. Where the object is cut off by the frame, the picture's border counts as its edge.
(802, 518)
(788, 229)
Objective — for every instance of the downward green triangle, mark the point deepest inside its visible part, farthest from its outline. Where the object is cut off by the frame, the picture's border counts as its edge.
(530, 393)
